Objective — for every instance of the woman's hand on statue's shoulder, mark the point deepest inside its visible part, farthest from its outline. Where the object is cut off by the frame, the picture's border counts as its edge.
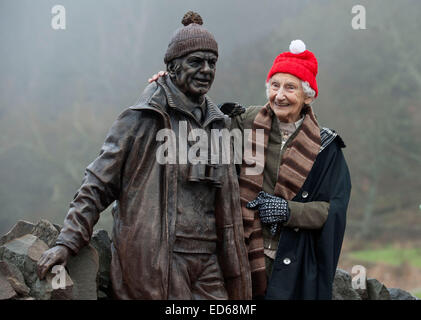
(156, 76)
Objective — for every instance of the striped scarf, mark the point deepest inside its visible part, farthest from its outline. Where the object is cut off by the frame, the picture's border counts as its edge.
(297, 161)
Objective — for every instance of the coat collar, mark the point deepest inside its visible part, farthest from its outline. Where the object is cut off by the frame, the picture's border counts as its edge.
(157, 96)
(212, 111)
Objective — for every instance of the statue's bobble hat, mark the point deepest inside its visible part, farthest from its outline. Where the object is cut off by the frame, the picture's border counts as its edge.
(299, 62)
(191, 37)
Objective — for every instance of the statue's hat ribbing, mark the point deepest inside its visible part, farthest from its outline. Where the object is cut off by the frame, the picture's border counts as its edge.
(191, 37)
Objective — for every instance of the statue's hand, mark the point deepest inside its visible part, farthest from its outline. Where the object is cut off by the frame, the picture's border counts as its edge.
(54, 256)
(232, 109)
(156, 76)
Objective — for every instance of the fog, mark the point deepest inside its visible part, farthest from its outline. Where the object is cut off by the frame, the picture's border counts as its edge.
(60, 91)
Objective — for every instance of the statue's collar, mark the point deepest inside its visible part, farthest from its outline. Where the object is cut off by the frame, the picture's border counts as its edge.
(175, 99)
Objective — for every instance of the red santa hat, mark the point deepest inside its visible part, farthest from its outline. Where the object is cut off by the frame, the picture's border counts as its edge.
(298, 62)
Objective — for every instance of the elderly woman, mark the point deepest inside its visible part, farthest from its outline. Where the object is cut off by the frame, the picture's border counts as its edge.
(294, 212)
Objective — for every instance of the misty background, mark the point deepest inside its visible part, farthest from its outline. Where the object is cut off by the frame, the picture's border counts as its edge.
(60, 91)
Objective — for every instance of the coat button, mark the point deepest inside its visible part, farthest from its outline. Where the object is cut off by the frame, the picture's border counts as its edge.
(305, 194)
(287, 261)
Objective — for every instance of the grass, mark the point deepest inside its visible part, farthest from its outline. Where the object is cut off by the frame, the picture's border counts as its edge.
(390, 255)
(417, 294)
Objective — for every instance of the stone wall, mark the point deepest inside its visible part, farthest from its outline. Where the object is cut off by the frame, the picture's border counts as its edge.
(86, 275)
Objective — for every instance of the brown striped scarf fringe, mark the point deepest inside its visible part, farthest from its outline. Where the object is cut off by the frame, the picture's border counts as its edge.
(297, 161)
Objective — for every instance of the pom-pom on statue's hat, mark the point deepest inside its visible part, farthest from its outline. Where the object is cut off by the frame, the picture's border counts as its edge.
(299, 62)
(191, 37)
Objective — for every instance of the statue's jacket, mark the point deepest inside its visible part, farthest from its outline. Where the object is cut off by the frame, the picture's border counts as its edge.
(127, 172)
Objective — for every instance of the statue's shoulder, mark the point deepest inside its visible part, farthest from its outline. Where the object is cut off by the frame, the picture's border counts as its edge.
(146, 112)
(152, 96)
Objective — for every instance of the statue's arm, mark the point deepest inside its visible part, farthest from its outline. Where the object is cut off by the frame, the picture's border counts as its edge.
(100, 185)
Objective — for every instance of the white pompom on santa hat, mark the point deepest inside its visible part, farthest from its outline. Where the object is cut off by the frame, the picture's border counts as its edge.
(297, 46)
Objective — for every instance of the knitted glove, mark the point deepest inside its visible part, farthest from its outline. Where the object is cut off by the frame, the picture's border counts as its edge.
(272, 209)
(232, 109)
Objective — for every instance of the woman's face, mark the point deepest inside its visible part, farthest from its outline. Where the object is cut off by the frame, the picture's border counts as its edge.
(287, 97)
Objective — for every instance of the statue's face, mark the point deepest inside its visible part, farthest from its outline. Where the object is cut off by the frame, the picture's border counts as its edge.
(194, 73)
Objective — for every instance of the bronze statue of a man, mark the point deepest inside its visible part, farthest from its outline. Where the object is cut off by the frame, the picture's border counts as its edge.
(177, 230)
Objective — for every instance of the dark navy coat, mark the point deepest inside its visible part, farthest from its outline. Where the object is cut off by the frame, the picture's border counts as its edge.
(306, 260)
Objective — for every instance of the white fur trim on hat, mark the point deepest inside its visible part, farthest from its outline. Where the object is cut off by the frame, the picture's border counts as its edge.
(297, 46)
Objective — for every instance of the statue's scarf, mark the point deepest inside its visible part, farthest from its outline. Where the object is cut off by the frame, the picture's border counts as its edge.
(296, 163)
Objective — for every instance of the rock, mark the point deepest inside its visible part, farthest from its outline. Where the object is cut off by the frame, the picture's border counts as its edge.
(377, 291)
(21, 228)
(6, 289)
(83, 270)
(103, 296)
(57, 226)
(102, 243)
(24, 253)
(15, 277)
(399, 294)
(19, 287)
(55, 286)
(46, 231)
(363, 293)
(342, 287)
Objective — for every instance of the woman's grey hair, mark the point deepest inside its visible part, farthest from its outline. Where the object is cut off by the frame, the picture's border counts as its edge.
(308, 91)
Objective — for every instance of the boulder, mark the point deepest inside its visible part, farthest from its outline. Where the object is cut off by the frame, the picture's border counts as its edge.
(342, 287)
(399, 294)
(25, 298)
(83, 270)
(363, 293)
(15, 277)
(102, 243)
(21, 228)
(24, 253)
(103, 296)
(6, 289)
(46, 231)
(55, 286)
(377, 290)
(19, 287)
